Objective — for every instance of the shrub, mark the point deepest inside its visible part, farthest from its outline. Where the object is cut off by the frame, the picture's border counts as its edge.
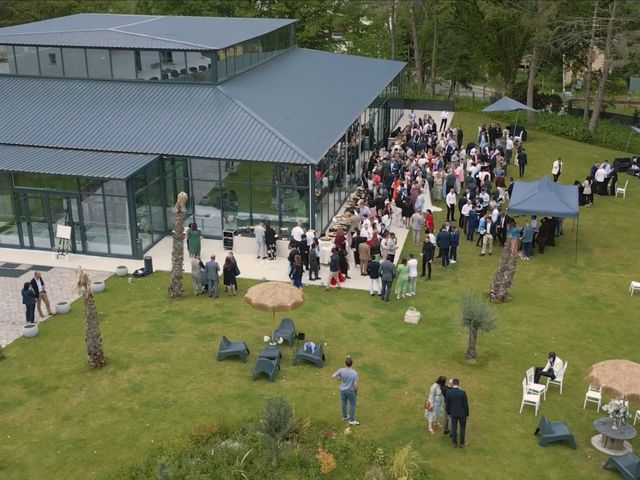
(406, 464)
(276, 424)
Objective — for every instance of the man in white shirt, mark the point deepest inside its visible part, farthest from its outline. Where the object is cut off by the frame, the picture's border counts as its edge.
(258, 232)
(296, 232)
(444, 116)
(556, 169)
(509, 149)
(412, 116)
(451, 205)
(600, 177)
(412, 266)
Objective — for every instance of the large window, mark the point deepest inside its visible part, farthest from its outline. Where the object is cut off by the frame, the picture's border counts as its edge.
(98, 63)
(27, 60)
(50, 61)
(148, 65)
(7, 60)
(75, 62)
(123, 63)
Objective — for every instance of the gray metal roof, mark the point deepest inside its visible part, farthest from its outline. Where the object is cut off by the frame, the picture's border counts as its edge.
(311, 97)
(136, 117)
(290, 110)
(81, 163)
(140, 31)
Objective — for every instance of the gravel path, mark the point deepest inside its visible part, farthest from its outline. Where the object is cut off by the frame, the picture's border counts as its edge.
(60, 283)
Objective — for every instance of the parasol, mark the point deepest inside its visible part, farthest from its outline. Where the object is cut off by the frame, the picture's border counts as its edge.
(619, 377)
(274, 297)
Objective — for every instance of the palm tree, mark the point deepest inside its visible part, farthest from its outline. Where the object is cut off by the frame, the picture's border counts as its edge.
(93, 339)
(177, 252)
(476, 317)
(503, 278)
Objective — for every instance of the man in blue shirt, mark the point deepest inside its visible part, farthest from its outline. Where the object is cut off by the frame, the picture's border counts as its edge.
(527, 241)
(348, 390)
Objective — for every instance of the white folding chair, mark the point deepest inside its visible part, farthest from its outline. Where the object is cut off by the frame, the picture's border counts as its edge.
(537, 388)
(532, 399)
(557, 380)
(633, 286)
(637, 417)
(594, 395)
(622, 190)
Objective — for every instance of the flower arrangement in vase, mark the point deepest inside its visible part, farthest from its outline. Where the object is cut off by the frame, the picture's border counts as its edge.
(618, 410)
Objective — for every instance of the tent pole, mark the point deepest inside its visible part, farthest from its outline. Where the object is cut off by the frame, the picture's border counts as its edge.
(577, 232)
(628, 142)
(515, 127)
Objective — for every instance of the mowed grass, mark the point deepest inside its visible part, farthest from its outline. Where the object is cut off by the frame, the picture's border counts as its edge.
(60, 420)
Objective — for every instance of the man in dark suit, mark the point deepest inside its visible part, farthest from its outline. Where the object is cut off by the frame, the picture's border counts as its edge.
(443, 240)
(458, 407)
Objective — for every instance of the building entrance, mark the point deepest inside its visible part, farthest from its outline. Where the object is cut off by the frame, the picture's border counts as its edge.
(39, 214)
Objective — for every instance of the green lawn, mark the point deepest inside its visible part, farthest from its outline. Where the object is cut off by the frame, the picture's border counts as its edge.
(58, 420)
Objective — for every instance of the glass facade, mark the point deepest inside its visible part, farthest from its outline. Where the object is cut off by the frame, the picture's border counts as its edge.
(234, 195)
(148, 65)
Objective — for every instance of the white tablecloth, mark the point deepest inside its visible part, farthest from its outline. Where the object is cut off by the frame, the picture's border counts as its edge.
(325, 251)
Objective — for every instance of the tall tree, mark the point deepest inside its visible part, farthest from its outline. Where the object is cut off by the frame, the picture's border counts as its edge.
(392, 27)
(177, 252)
(417, 47)
(93, 338)
(608, 59)
(543, 12)
(588, 77)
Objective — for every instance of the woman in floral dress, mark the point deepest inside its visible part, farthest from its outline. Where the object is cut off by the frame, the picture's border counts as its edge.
(436, 401)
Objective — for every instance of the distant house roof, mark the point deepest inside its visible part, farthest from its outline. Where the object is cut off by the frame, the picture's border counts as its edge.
(289, 110)
(53, 161)
(140, 31)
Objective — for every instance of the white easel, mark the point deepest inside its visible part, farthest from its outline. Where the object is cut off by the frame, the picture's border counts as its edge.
(63, 234)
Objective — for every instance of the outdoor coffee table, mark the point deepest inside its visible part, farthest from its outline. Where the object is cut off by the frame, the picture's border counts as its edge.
(612, 441)
(272, 352)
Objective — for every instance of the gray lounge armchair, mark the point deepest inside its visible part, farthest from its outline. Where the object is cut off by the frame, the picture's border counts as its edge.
(316, 356)
(266, 365)
(232, 349)
(554, 432)
(628, 465)
(286, 330)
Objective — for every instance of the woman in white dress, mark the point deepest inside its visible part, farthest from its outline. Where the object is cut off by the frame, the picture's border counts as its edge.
(426, 193)
(434, 404)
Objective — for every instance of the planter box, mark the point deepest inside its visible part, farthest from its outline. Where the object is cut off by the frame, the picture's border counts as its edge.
(97, 287)
(122, 271)
(30, 330)
(63, 307)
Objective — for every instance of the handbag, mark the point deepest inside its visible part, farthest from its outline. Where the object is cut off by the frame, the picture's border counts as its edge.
(427, 405)
(412, 316)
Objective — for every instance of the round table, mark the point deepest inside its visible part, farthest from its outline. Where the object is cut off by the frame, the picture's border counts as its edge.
(612, 441)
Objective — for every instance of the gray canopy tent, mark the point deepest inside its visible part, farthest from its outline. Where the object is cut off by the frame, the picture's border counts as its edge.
(508, 104)
(633, 130)
(544, 197)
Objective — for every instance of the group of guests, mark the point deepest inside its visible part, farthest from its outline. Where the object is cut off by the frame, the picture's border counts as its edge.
(601, 181)
(205, 276)
(34, 294)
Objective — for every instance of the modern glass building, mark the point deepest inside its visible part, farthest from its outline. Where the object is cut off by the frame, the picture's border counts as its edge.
(106, 117)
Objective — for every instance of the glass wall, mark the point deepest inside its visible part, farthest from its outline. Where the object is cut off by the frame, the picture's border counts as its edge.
(243, 56)
(239, 194)
(7, 60)
(50, 60)
(119, 64)
(74, 62)
(150, 209)
(9, 234)
(27, 60)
